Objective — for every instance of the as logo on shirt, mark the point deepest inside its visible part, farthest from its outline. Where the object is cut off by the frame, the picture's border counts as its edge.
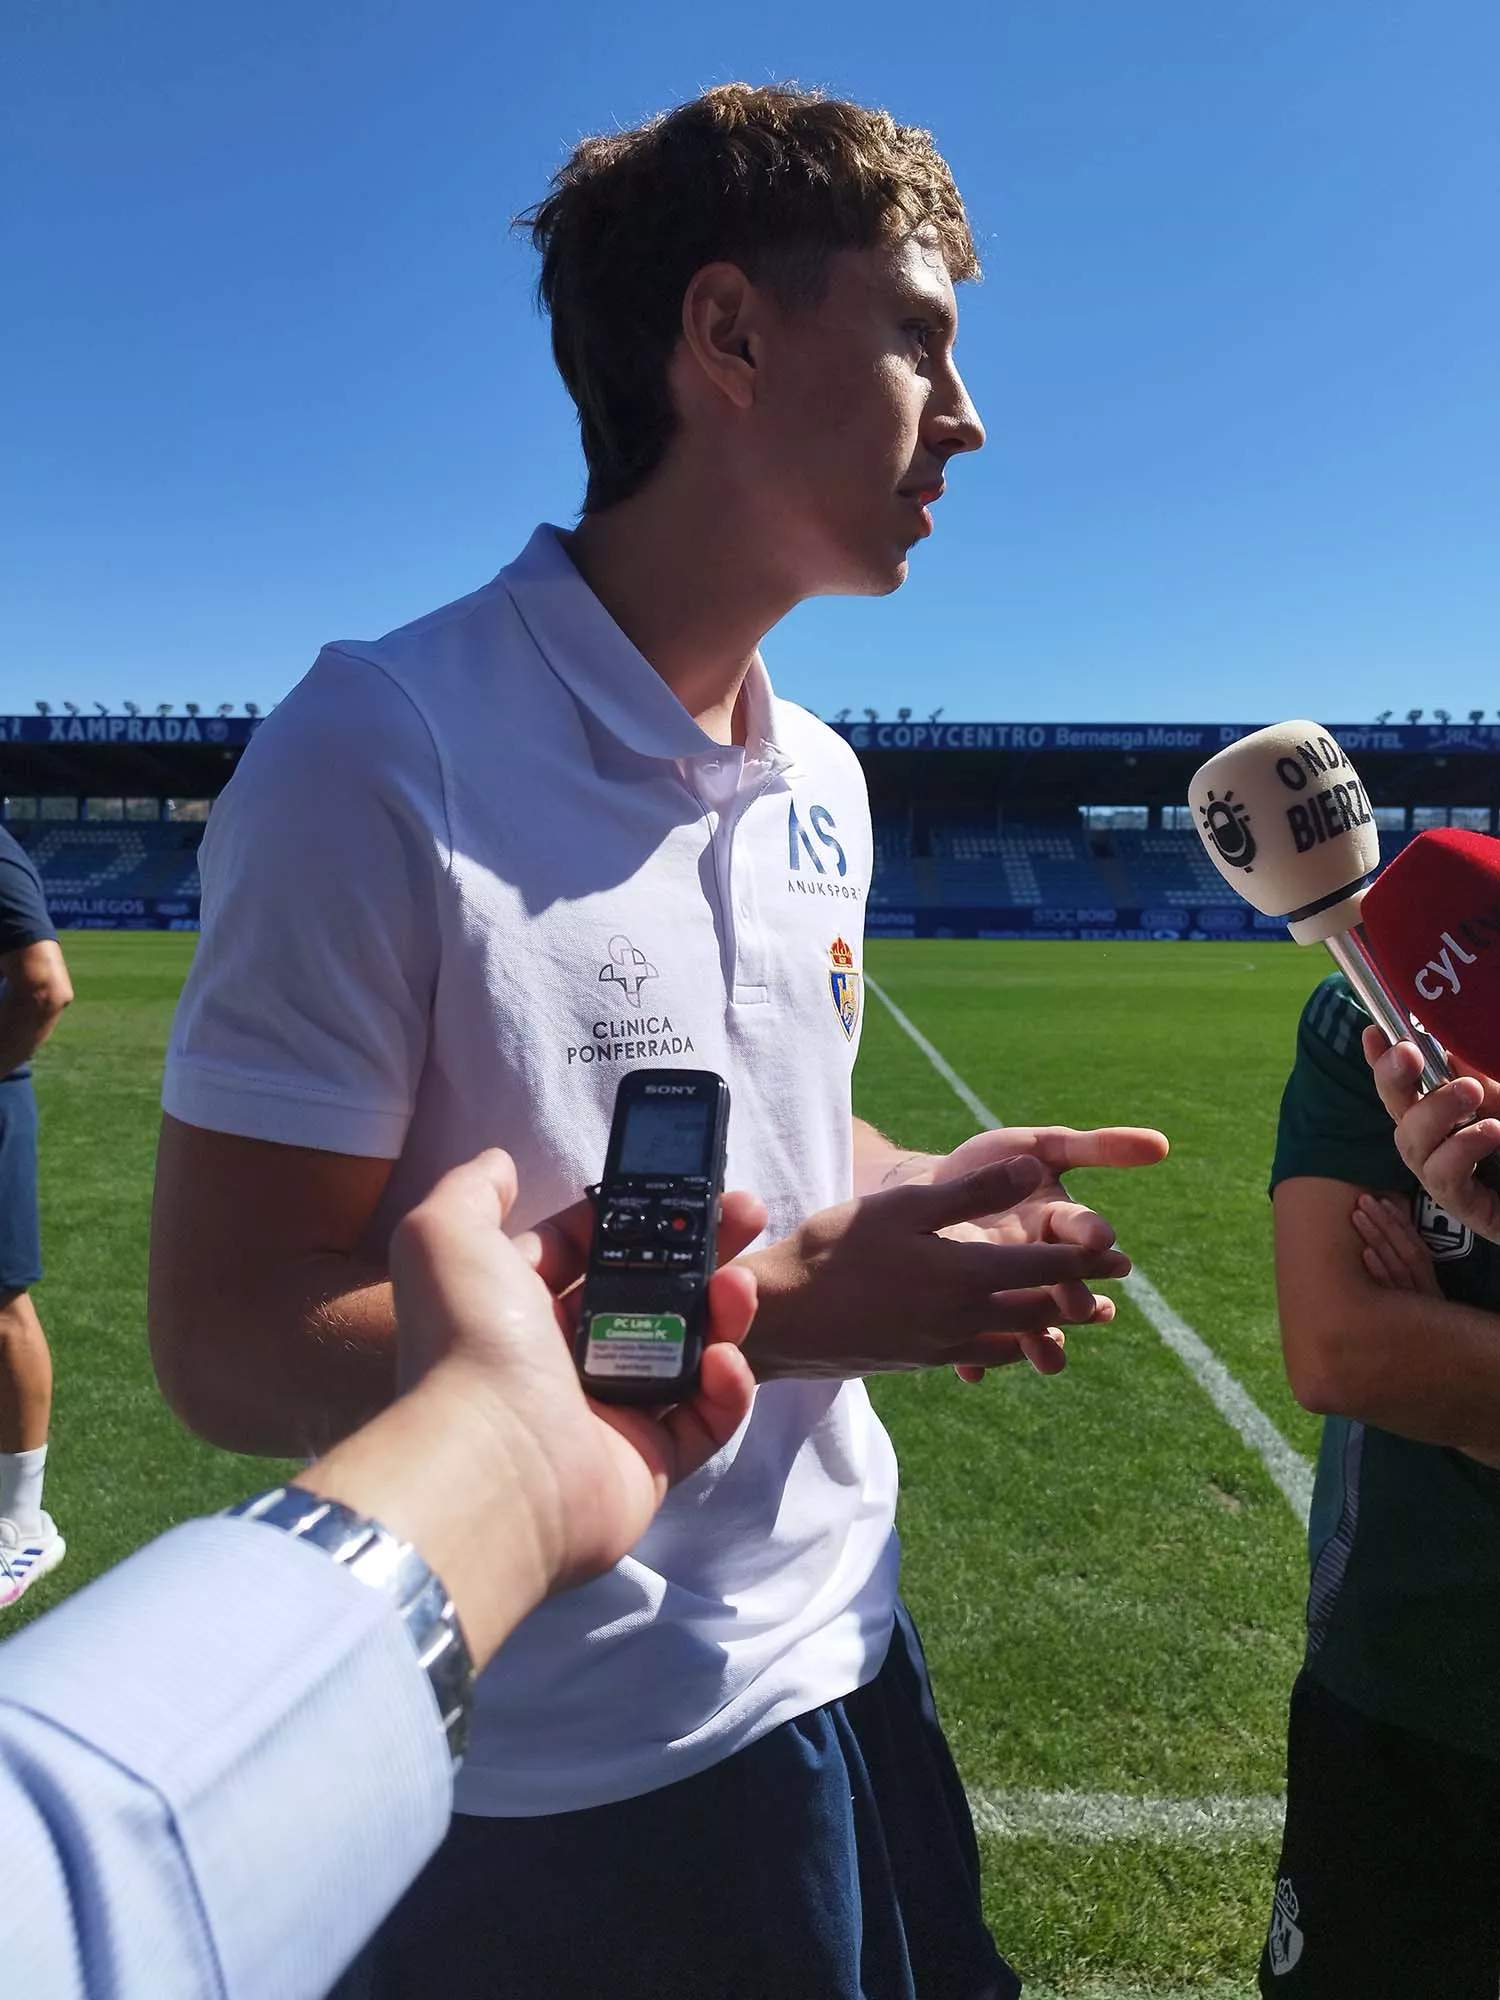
(1446, 1238)
(815, 878)
(844, 985)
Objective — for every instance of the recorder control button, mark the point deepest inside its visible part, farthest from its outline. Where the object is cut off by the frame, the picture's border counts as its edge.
(679, 1225)
(625, 1223)
(646, 1255)
(681, 1260)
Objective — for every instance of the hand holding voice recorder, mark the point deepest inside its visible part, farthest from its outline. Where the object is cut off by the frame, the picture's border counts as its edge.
(656, 1225)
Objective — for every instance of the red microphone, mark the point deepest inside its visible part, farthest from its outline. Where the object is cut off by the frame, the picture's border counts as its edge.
(1433, 920)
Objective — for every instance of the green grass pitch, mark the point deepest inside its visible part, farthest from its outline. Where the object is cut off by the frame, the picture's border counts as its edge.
(1109, 1586)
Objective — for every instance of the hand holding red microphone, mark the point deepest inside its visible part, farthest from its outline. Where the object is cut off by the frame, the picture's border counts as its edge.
(1443, 1135)
(1433, 919)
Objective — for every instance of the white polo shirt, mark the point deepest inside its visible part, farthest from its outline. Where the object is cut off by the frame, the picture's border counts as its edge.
(463, 879)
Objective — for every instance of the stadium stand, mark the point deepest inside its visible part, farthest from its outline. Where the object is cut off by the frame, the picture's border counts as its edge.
(1018, 865)
(140, 860)
(980, 830)
(897, 878)
(967, 865)
(1170, 869)
(1166, 868)
(971, 863)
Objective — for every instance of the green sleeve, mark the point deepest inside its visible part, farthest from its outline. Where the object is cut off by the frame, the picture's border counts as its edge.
(1333, 1123)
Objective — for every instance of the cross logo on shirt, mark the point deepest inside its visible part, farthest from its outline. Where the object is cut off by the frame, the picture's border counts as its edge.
(628, 968)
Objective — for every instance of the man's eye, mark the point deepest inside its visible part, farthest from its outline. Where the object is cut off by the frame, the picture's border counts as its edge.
(921, 338)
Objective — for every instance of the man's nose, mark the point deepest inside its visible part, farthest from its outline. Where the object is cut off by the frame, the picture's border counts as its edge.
(956, 424)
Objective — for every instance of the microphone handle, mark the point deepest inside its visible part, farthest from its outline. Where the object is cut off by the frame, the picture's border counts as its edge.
(1351, 954)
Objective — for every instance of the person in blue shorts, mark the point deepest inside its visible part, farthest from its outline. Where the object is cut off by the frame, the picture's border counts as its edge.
(34, 989)
(470, 874)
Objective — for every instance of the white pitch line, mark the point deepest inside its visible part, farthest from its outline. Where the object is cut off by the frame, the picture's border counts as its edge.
(1095, 1817)
(985, 1117)
(1289, 1470)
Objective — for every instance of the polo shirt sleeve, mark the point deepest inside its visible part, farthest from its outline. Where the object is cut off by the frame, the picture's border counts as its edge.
(1333, 1125)
(304, 1019)
(23, 907)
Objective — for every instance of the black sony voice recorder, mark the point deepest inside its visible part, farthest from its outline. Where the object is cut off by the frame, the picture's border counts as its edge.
(656, 1225)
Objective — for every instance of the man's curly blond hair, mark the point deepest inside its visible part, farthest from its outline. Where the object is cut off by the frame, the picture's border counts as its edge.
(773, 179)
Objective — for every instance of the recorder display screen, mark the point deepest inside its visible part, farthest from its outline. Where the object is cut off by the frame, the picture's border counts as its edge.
(666, 1135)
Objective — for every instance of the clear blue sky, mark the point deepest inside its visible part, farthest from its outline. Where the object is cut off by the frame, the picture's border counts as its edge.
(272, 372)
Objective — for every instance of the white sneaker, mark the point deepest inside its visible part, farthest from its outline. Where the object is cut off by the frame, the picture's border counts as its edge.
(25, 1557)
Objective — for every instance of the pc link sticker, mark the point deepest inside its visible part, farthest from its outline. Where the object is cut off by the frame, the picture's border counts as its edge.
(647, 1346)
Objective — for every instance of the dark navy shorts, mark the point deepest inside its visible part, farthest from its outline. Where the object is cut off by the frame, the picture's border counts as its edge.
(20, 1224)
(834, 1859)
(1388, 1885)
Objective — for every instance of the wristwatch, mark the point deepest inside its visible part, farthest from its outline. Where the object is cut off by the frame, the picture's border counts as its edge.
(394, 1568)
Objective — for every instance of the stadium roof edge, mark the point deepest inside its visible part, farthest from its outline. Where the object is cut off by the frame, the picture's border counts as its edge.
(1203, 738)
(1133, 738)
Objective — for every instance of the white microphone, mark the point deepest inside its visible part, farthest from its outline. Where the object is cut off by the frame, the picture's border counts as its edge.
(1289, 826)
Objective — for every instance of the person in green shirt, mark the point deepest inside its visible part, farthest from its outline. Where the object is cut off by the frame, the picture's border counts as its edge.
(1389, 1877)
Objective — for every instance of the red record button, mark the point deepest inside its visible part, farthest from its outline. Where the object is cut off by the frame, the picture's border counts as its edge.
(679, 1225)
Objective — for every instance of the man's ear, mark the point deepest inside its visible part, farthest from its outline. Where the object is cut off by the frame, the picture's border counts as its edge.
(720, 332)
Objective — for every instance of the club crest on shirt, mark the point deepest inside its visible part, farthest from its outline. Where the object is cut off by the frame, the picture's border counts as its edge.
(1284, 1943)
(1446, 1237)
(843, 986)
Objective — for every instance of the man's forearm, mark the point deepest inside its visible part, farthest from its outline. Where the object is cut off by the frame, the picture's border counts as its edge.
(438, 1468)
(24, 1026)
(783, 1340)
(310, 1356)
(879, 1163)
(1423, 1367)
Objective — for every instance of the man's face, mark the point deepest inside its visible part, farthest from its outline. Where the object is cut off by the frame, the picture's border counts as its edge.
(860, 411)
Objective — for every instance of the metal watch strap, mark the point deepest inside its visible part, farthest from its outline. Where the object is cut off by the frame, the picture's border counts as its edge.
(394, 1568)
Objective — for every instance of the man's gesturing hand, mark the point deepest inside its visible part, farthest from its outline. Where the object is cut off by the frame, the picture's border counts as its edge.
(1435, 1135)
(874, 1284)
(1049, 1214)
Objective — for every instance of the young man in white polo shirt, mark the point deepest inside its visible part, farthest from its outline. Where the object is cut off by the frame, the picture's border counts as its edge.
(470, 874)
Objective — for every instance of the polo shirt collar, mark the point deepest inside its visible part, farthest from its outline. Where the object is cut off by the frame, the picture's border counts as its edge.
(605, 673)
